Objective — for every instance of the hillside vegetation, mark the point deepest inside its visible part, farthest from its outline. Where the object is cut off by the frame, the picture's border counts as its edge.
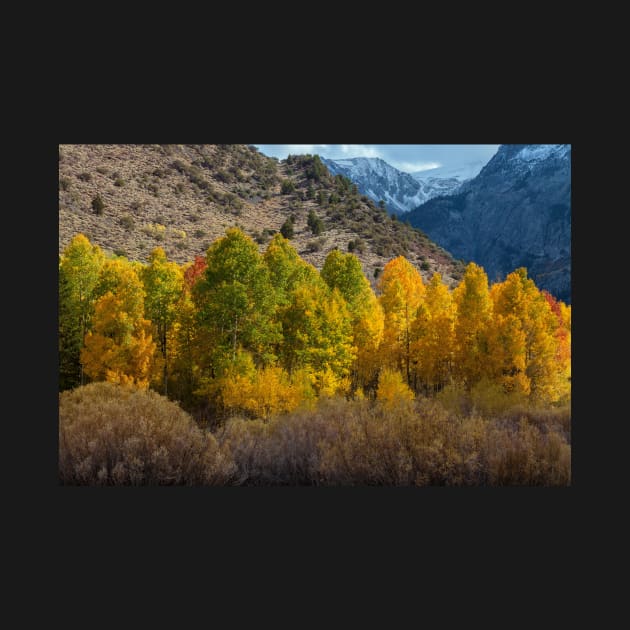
(130, 198)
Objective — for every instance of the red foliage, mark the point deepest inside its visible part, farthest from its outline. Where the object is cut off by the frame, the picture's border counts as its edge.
(192, 274)
(553, 303)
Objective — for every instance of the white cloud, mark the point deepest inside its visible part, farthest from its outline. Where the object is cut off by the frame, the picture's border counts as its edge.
(303, 148)
(360, 150)
(414, 167)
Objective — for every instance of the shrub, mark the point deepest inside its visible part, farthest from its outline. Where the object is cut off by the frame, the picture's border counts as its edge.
(98, 205)
(115, 435)
(315, 223)
(84, 177)
(119, 182)
(127, 222)
(315, 245)
(287, 229)
(199, 233)
(288, 186)
(156, 230)
(64, 183)
(356, 245)
(425, 266)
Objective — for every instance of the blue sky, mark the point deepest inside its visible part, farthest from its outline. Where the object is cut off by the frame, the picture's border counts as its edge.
(405, 157)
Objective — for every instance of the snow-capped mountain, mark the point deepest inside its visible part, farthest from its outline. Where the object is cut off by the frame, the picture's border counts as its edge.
(400, 191)
(515, 213)
(460, 173)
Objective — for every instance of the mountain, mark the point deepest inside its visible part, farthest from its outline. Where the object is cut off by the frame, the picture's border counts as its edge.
(400, 191)
(183, 197)
(461, 172)
(515, 213)
(446, 180)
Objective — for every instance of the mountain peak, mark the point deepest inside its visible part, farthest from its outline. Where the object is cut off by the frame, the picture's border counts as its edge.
(515, 213)
(400, 191)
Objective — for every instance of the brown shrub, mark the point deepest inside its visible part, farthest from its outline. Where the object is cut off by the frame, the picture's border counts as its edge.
(526, 456)
(283, 451)
(412, 443)
(115, 435)
(109, 434)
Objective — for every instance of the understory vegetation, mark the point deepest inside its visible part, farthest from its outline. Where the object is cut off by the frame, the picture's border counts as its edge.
(113, 434)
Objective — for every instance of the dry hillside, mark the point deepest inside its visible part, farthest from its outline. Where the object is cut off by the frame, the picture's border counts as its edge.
(183, 197)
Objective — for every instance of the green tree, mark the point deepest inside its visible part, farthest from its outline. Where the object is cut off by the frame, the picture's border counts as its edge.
(286, 269)
(343, 272)
(318, 336)
(79, 268)
(235, 300)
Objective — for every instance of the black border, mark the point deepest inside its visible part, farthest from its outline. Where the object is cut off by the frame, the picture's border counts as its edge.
(403, 527)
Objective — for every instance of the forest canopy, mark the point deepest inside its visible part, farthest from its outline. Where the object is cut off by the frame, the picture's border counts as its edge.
(267, 333)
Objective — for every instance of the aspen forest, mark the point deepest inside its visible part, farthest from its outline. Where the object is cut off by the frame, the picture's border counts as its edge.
(249, 367)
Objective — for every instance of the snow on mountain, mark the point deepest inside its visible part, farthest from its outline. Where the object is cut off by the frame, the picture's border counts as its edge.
(461, 173)
(400, 191)
(540, 152)
(515, 213)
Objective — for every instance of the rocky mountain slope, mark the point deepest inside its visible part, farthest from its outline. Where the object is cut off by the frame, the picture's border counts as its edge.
(129, 199)
(515, 213)
(400, 191)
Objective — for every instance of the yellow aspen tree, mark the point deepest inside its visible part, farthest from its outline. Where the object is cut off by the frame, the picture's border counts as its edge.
(401, 293)
(508, 352)
(433, 334)
(392, 388)
(120, 346)
(474, 317)
(265, 393)
(163, 284)
(517, 295)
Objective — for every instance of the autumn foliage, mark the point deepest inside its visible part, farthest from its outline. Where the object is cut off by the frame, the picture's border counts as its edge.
(259, 335)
